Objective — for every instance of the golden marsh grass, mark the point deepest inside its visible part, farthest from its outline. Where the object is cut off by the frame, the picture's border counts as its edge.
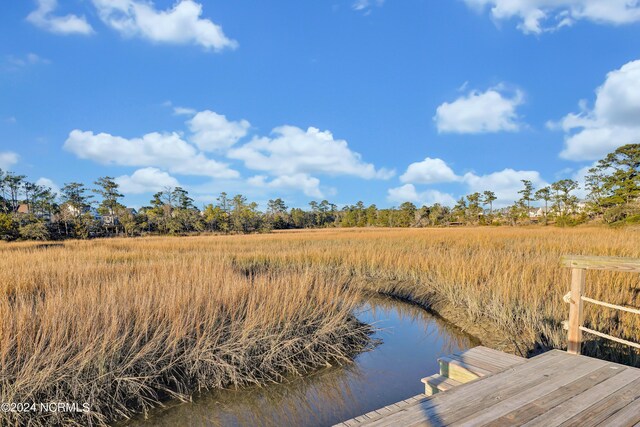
(125, 323)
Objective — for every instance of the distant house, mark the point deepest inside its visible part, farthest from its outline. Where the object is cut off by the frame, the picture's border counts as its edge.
(25, 209)
(109, 219)
(541, 212)
(113, 219)
(69, 209)
(538, 212)
(76, 212)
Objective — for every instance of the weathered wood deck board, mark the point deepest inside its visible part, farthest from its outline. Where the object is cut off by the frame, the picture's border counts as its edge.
(553, 389)
(602, 263)
(369, 416)
(583, 401)
(627, 416)
(521, 397)
(466, 400)
(468, 365)
(493, 357)
(539, 406)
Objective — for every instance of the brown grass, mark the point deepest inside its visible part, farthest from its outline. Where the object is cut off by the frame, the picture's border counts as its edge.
(503, 284)
(124, 323)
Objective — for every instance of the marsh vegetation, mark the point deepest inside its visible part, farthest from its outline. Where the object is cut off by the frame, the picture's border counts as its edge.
(126, 323)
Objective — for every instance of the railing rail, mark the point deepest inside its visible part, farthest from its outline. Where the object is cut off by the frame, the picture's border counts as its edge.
(579, 265)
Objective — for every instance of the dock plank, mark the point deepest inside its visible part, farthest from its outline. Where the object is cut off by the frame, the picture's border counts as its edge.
(606, 407)
(499, 355)
(469, 394)
(583, 401)
(552, 389)
(627, 416)
(481, 362)
(523, 396)
(493, 357)
(541, 405)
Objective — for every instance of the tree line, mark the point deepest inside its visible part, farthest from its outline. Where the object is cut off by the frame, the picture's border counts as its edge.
(34, 212)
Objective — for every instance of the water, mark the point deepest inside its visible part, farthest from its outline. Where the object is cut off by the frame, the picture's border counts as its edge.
(412, 340)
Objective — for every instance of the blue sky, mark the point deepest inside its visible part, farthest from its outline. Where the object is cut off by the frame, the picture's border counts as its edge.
(379, 101)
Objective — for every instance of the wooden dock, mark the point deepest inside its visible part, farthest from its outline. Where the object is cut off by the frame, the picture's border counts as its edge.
(552, 389)
(484, 387)
(468, 365)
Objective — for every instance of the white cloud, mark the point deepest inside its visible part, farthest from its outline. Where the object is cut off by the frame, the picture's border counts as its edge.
(505, 184)
(46, 182)
(290, 159)
(408, 193)
(309, 185)
(181, 24)
(537, 16)
(366, 5)
(68, 24)
(28, 59)
(164, 150)
(183, 111)
(8, 159)
(614, 120)
(429, 171)
(146, 180)
(292, 151)
(213, 132)
(480, 112)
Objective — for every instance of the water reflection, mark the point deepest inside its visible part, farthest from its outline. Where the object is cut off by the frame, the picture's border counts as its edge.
(412, 340)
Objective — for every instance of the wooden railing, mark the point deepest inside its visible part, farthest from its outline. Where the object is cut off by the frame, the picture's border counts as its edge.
(579, 265)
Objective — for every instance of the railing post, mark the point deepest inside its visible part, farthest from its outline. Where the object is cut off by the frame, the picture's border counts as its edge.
(576, 314)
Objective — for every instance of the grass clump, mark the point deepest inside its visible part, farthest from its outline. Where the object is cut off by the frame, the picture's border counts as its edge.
(122, 325)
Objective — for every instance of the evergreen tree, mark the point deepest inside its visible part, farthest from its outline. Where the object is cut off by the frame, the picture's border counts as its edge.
(527, 193)
(488, 197)
(109, 190)
(544, 194)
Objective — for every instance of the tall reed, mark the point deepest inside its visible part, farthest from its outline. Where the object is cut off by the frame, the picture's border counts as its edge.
(504, 285)
(122, 325)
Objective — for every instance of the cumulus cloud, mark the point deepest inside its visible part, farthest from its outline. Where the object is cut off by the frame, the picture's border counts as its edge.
(44, 18)
(146, 180)
(8, 159)
(505, 183)
(290, 159)
(480, 112)
(612, 122)
(181, 24)
(537, 16)
(309, 185)
(292, 150)
(429, 171)
(164, 150)
(48, 183)
(213, 132)
(408, 193)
